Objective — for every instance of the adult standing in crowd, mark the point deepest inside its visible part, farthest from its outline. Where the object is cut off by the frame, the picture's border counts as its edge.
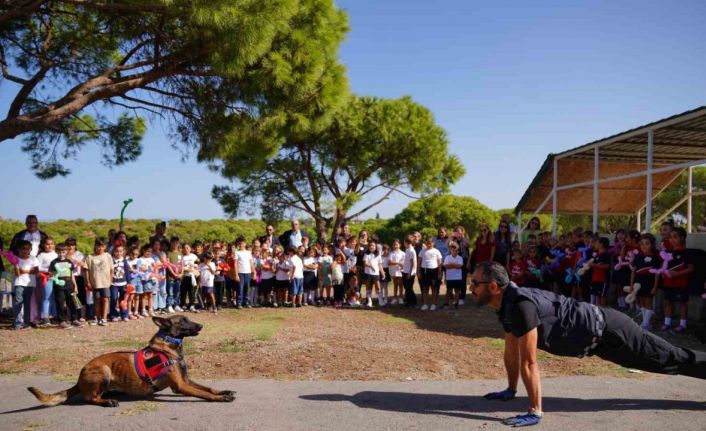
(342, 233)
(269, 239)
(360, 251)
(31, 233)
(483, 248)
(160, 234)
(533, 228)
(505, 218)
(441, 242)
(294, 237)
(503, 244)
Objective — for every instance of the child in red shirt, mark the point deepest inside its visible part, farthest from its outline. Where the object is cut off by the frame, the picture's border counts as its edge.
(676, 280)
(534, 267)
(517, 268)
(599, 275)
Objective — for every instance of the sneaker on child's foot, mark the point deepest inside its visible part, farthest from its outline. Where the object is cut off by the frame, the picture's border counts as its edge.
(433, 307)
(178, 309)
(192, 308)
(679, 329)
(425, 307)
(369, 303)
(64, 325)
(93, 322)
(664, 328)
(76, 323)
(461, 302)
(145, 313)
(125, 319)
(113, 319)
(170, 309)
(102, 323)
(132, 316)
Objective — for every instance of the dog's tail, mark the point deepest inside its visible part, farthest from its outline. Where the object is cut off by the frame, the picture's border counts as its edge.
(54, 399)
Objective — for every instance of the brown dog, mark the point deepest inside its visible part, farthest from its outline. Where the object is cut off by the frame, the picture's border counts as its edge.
(161, 364)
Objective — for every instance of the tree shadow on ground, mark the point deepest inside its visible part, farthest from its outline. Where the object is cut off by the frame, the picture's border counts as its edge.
(468, 320)
(473, 407)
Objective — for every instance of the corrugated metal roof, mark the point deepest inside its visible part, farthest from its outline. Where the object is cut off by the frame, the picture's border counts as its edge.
(677, 139)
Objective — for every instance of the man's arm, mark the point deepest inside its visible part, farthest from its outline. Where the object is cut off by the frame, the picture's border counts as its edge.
(512, 360)
(529, 369)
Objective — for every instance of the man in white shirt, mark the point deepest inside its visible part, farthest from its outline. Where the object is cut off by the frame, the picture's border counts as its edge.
(31, 234)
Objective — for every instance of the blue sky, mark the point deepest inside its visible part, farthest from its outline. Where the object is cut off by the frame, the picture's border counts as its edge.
(509, 81)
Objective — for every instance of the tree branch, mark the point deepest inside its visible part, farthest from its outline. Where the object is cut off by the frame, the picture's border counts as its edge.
(25, 91)
(134, 108)
(385, 196)
(116, 7)
(132, 52)
(156, 105)
(18, 9)
(5, 72)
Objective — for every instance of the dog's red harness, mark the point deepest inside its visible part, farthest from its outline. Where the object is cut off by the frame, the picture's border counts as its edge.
(152, 365)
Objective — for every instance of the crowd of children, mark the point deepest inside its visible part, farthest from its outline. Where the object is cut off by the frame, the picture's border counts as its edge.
(124, 279)
(635, 272)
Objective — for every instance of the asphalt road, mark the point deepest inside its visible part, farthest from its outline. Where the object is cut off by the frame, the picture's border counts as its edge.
(583, 403)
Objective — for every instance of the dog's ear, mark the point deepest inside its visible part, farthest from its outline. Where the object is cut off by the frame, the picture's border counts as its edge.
(163, 323)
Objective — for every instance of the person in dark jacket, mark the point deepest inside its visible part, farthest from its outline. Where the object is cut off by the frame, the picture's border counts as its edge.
(31, 234)
(269, 238)
(534, 318)
(293, 237)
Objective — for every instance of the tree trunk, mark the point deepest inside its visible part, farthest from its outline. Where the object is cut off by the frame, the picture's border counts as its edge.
(321, 228)
(339, 218)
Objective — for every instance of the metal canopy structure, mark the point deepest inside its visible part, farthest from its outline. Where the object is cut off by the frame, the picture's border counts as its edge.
(622, 173)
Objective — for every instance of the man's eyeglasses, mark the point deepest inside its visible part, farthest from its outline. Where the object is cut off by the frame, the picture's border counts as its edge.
(476, 283)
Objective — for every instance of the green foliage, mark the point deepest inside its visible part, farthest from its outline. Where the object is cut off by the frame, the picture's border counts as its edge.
(220, 72)
(428, 214)
(371, 145)
(85, 232)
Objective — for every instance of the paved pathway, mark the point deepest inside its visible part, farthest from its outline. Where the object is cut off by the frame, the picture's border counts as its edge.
(580, 403)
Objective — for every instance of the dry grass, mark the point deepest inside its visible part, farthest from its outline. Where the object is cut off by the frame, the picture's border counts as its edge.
(307, 343)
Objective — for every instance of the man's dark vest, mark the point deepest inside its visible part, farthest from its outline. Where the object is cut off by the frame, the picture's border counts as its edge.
(568, 327)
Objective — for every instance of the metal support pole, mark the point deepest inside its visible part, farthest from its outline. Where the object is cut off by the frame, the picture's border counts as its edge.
(648, 197)
(596, 157)
(554, 201)
(519, 226)
(639, 220)
(689, 207)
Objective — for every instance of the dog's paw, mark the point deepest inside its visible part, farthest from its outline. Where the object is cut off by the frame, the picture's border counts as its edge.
(112, 403)
(227, 396)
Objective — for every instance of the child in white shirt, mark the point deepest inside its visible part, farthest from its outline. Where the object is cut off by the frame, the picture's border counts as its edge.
(207, 271)
(396, 261)
(23, 285)
(45, 285)
(297, 287)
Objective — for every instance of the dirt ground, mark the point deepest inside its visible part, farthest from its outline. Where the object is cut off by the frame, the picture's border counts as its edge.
(310, 343)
